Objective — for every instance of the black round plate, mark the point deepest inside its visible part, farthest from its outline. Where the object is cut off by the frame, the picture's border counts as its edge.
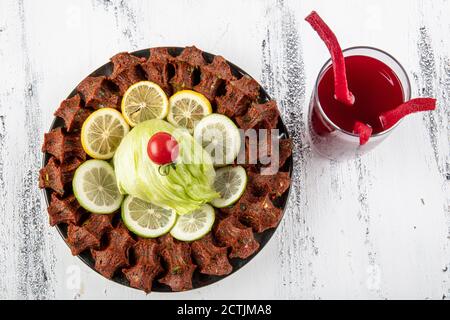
(199, 280)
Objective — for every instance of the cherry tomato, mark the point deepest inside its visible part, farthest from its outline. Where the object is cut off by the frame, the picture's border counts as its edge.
(162, 148)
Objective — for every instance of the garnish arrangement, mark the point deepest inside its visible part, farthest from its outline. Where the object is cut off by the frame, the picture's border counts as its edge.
(134, 185)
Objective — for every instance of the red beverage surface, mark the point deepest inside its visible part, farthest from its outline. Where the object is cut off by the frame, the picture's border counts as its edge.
(376, 89)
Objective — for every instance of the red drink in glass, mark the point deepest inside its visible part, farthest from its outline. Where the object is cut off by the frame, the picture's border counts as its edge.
(378, 82)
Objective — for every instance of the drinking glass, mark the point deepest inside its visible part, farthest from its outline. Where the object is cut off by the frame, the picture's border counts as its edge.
(333, 142)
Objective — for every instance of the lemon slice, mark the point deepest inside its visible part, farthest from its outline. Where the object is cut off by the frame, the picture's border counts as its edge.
(102, 133)
(230, 182)
(188, 107)
(143, 101)
(194, 225)
(95, 187)
(146, 219)
(220, 137)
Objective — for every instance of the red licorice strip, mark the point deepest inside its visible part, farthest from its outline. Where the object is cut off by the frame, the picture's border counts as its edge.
(363, 130)
(391, 117)
(341, 91)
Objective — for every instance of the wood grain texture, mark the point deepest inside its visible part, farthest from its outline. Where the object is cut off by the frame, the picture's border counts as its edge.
(374, 227)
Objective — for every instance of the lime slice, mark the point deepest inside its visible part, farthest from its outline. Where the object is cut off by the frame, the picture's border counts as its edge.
(220, 137)
(102, 133)
(230, 182)
(194, 225)
(95, 187)
(188, 107)
(143, 101)
(146, 219)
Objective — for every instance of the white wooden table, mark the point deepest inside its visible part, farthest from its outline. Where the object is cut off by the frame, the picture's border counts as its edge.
(373, 227)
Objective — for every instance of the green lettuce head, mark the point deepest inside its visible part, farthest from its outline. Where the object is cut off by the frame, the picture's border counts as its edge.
(188, 184)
